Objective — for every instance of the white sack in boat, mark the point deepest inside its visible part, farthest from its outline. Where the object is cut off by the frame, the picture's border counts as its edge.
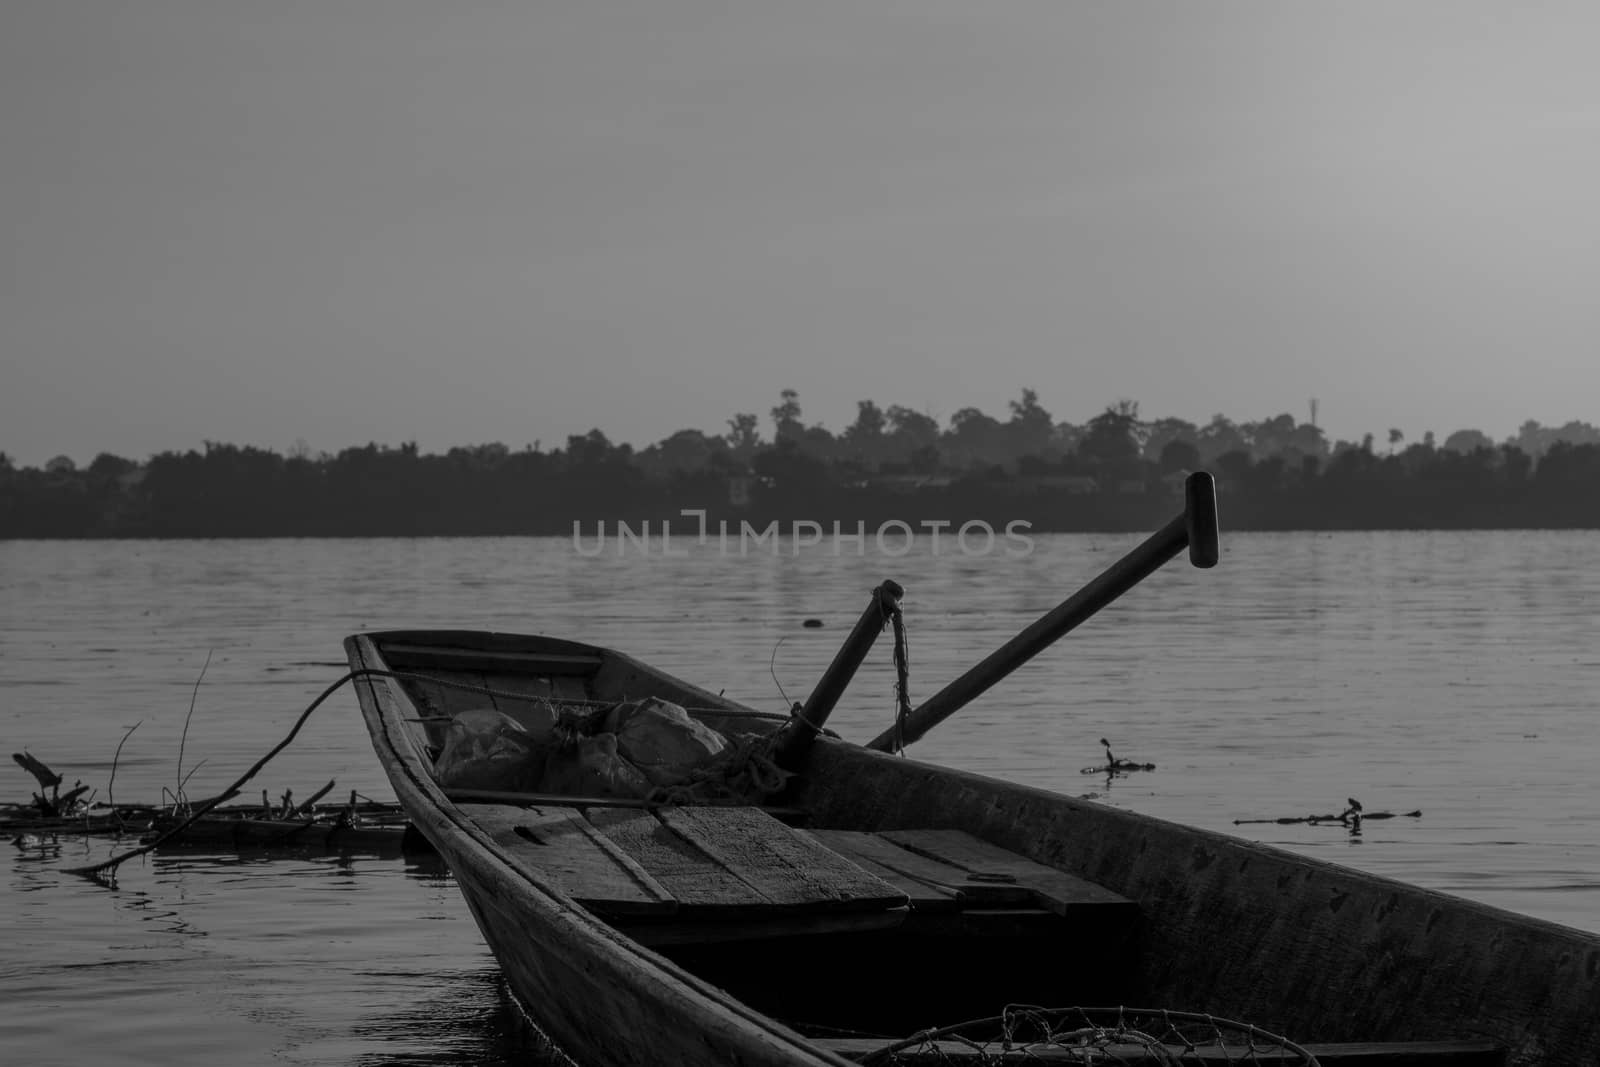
(658, 737)
(592, 767)
(487, 749)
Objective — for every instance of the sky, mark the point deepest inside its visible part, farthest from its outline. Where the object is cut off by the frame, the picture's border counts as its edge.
(342, 221)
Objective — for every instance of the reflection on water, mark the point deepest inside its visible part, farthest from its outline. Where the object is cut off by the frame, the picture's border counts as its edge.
(1449, 672)
(310, 959)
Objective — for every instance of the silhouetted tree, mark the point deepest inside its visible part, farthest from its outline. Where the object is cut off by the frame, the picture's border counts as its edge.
(1219, 437)
(1030, 428)
(975, 438)
(1467, 441)
(866, 432)
(1163, 432)
(1179, 455)
(1111, 437)
(743, 436)
(786, 417)
(910, 432)
(105, 465)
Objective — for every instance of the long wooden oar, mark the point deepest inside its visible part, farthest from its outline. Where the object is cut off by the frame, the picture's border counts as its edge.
(789, 751)
(1195, 529)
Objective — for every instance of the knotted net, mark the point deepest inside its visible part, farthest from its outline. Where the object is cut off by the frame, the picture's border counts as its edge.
(1098, 1036)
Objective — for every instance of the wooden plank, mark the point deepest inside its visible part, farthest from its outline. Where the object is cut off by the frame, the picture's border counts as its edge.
(1056, 890)
(938, 885)
(403, 657)
(924, 896)
(562, 848)
(574, 800)
(657, 933)
(702, 886)
(781, 864)
(1349, 1054)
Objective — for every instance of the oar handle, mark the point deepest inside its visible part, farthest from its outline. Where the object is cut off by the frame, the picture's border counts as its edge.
(1200, 519)
(1195, 529)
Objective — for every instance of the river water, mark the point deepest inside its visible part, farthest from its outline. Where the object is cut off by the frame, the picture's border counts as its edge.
(1451, 673)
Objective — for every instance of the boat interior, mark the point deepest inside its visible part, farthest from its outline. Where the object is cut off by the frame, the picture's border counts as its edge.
(811, 907)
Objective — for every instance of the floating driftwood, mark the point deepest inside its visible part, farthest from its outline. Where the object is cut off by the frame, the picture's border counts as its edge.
(359, 823)
(1351, 816)
(1114, 765)
(55, 804)
(370, 825)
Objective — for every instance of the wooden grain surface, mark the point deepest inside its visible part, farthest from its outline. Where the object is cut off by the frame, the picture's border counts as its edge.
(1054, 889)
(931, 884)
(700, 884)
(784, 866)
(582, 862)
(730, 862)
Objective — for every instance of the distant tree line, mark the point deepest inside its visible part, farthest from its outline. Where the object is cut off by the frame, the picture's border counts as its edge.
(1115, 472)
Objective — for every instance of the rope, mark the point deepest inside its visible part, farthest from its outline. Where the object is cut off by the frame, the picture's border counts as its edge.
(742, 773)
(902, 676)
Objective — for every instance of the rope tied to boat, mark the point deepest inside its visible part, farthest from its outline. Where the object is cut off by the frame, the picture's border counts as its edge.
(902, 674)
(743, 773)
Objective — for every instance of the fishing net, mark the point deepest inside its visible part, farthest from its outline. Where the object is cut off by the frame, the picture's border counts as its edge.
(1099, 1036)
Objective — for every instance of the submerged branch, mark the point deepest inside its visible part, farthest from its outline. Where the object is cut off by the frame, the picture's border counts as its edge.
(98, 870)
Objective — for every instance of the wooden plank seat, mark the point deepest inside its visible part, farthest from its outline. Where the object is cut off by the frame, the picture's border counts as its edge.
(692, 874)
(561, 847)
(1348, 1054)
(680, 875)
(958, 883)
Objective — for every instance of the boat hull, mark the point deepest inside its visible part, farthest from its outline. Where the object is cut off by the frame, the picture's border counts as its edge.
(1238, 930)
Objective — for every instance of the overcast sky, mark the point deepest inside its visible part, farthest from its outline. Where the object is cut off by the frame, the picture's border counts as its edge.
(461, 222)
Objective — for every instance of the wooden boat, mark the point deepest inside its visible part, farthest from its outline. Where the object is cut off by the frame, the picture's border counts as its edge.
(886, 895)
(879, 897)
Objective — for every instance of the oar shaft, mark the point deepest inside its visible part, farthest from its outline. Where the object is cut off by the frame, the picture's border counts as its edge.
(1195, 529)
(1065, 617)
(791, 749)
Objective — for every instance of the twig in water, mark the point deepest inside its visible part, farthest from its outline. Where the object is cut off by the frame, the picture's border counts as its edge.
(182, 786)
(184, 738)
(305, 806)
(111, 799)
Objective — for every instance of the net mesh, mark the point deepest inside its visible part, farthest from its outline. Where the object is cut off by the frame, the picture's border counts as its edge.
(1100, 1036)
